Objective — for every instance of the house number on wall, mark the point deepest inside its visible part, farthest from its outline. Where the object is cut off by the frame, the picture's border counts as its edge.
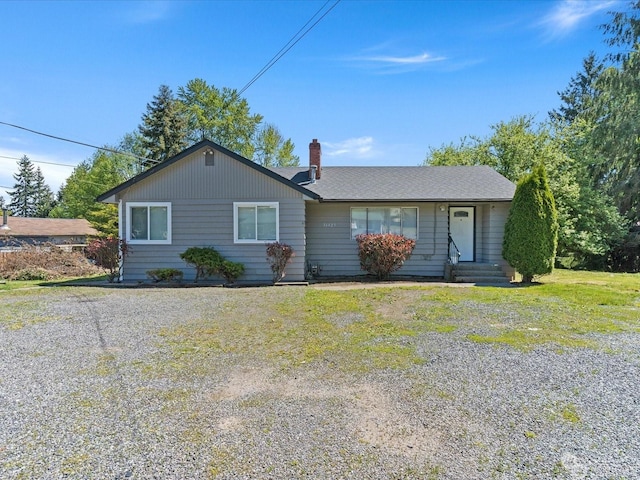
(328, 225)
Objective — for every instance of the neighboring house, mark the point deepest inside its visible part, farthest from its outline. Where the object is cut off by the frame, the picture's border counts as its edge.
(210, 196)
(16, 231)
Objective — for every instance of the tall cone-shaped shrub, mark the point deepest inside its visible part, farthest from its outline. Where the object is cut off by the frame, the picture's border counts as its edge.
(531, 231)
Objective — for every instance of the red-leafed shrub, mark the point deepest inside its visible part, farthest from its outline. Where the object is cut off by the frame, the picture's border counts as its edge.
(279, 255)
(108, 253)
(382, 254)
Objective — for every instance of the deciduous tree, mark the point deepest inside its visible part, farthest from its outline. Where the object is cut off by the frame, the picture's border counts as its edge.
(88, 180)
(221, 116)
(272, 150)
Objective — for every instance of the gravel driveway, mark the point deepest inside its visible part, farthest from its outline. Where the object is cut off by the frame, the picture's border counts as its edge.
(93, 385)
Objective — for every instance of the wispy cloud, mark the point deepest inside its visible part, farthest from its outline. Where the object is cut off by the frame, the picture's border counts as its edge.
(414, 60)
(354, 148)
(394, 64)
(146, 11)
(567, 15)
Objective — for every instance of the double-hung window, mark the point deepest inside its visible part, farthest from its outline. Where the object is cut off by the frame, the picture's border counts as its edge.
(255, 222)
(398, 220)
(149, 222)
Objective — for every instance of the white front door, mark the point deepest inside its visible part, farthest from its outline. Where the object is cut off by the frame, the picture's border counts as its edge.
(461, 229)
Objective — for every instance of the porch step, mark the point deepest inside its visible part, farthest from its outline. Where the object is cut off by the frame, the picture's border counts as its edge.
(483, 279)
(478, 273)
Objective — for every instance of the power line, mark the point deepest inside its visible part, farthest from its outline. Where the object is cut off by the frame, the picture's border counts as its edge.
(41, 161)
(290, 44)
(299, 35)
(106, 149)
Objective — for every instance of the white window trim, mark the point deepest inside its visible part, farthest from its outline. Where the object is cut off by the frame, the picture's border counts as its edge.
(135, 241)
(386, 206)
(236, 205)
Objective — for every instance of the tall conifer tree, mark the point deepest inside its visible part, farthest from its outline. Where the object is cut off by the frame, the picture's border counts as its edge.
(23, 196)
(44, 200)
(531, 231)
(164, 127)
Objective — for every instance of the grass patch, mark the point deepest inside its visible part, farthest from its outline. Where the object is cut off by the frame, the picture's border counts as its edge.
(18, 311)
(564, 411)
(348, 330)
(566, 311)
(364, 329)
(7, 285)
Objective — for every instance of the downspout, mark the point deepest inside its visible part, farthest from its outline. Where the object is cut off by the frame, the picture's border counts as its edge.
(121, 237)
(435, 228)
(5, 225)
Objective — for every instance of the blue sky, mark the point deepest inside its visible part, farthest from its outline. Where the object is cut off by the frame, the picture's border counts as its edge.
(376, 82)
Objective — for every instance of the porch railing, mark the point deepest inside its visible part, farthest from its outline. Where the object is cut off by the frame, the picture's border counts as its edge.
(454, 253)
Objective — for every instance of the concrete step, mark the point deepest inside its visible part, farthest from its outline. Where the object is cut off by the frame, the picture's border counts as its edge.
(474, 272)
(476, 266)
(482, 279)
(478, 273)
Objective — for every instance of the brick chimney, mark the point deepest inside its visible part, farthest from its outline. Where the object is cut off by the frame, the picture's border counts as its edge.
(315, 153)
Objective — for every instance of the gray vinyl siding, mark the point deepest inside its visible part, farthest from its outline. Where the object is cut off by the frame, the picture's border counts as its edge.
(329, 243)
(202, 200)
(191, 179)
(498, 213)
(330, 246)
(482, 234)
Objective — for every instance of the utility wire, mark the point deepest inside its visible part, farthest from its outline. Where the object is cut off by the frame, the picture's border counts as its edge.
(106, 149)
(299, 35)
(290, 44)
(41, 161)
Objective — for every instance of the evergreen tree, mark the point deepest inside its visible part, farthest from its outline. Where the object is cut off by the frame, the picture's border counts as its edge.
(578, 98)
(531, 231)
(44, 200)
(164, 127)
(23, 196)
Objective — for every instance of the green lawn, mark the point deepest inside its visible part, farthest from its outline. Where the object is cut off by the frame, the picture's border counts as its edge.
(365, 329)
(370, 328)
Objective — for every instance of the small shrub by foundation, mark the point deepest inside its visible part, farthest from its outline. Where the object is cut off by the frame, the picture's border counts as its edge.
(231, 270)
(279, 255)
(165, 275)
(208, 262)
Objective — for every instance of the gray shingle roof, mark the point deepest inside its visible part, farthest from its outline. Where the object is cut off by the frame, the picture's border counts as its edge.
(455, 183)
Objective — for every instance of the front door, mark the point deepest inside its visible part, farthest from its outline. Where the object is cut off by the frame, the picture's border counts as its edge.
(461, 229)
